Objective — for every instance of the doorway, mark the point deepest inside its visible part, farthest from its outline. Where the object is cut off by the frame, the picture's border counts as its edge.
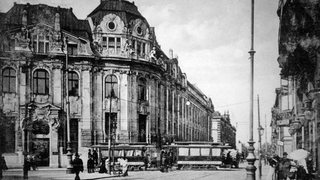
(142, 124)
(74, 134)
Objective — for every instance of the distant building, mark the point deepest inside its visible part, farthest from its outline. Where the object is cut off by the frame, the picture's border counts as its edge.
(116, 71)
(222, 130)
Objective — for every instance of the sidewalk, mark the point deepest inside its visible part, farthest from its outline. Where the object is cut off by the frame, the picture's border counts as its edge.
(51, 174)
(264, 170)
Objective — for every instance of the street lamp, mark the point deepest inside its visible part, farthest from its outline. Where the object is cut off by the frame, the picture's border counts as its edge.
(69, 153)
(251, 169)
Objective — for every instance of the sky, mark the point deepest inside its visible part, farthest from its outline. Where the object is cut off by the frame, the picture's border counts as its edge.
(211, 39)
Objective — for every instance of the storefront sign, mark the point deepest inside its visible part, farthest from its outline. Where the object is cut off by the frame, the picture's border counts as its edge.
(283, 122)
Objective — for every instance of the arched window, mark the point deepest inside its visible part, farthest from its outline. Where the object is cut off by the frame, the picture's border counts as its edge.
(111, 86)
(142, 89)
(41, 82)
(9, 80)
(174, 71)
(73, 83)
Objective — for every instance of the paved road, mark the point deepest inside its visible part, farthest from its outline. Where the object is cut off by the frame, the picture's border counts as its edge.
(233, 174)
(60, 174)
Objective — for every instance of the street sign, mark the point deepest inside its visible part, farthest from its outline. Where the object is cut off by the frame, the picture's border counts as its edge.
(280, 143)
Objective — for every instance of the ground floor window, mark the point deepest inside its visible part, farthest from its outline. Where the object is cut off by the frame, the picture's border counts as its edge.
(7, 135)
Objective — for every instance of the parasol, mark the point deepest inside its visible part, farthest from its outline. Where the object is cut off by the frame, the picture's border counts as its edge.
(298, 154)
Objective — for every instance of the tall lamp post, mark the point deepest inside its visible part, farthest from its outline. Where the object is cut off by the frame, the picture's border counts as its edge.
(251, 169)
(69, 149)
(260, 133)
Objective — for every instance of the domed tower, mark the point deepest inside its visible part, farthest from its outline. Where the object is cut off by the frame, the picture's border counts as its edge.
(127, 73)
(119, 30)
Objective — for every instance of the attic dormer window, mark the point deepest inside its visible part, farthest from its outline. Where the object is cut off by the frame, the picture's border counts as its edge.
(40, 43)
(111, 26)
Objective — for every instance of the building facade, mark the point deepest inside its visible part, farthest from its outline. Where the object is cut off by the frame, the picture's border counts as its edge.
(222, 129)
(66, 79)
(295, 122)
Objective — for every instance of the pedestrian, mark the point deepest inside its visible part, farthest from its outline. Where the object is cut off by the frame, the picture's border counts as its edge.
(284, 167)
(309, 164)
(89, 153)
(90, 165)
(3, 166)
(103, 166)
(95, 157)
(125, 167)
(166, 162)
(274, 163)
(77, 166)
(229, 159)
(33, 162)
(146, 162)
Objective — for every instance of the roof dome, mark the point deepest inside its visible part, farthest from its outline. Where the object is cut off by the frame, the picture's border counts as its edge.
(124, 9)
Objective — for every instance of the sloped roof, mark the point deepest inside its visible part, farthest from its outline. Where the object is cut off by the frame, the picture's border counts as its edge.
(124, 9)
(41, 13)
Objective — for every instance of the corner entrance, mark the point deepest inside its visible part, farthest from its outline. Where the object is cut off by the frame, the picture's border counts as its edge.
(40, 150)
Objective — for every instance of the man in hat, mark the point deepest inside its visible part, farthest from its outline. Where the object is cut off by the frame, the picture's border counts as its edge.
(284, 167)
(77, 166)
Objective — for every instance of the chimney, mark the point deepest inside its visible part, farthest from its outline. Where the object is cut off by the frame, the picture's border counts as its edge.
(24, 18)
(170, 54)
(176, 56)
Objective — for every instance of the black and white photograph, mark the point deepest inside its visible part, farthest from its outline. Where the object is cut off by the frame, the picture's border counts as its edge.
(160, 89)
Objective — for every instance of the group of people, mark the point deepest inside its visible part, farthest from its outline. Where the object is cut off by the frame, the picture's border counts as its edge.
(121, 166)
(92, 160)
(285, 168)
(166, 160)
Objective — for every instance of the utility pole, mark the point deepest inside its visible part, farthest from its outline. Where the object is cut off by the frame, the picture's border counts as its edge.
(266, 135)
(259, 141)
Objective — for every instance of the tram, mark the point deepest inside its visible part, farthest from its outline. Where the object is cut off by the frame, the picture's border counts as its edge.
(200, 155)
(184, 155)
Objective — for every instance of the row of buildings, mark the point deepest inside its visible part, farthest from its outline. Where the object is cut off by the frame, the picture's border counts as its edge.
(66, 79)
(295, 115)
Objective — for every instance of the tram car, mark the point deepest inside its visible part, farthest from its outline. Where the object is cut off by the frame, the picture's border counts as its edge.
(137, 154)
(199, 155)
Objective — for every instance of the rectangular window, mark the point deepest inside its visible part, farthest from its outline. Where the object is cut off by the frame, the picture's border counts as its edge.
(104, 42)
(194, 151)
(205, 151)
(72, 49)
(143, 48)
(111, 43)
(183, 152)
(134, 45)
(11, 44)
(138, 48)
(118, 44)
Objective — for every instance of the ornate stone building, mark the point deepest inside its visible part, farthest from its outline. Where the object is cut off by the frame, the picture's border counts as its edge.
(295, 121)
(110, 67)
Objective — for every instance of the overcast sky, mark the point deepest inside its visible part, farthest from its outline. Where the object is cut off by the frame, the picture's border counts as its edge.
(212, 40)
